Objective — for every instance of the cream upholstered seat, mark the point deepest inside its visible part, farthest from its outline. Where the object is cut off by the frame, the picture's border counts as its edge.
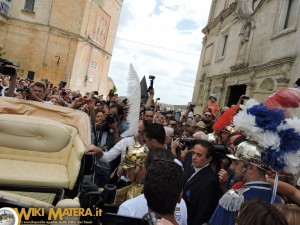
(40, 144)
(36, 151)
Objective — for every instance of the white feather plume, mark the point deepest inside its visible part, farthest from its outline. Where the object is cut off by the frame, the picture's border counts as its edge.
(246, 122)
(271, 139)
(294, 123)
(267, 139)
(292, 161)
(134, 98)
(251, 102)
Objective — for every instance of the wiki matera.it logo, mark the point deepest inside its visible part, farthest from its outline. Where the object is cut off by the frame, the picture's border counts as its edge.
(8, 216)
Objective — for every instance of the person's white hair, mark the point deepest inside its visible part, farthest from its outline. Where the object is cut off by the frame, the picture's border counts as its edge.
(200, 135)
(169, 131)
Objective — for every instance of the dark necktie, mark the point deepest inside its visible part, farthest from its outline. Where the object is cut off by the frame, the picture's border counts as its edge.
(193, 171)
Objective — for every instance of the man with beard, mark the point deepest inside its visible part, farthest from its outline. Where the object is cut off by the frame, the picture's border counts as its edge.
(227, 178)
(208, 119)
(149, 114)
(249, 168)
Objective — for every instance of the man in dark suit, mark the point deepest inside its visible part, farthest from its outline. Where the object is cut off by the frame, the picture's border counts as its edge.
(202, 190)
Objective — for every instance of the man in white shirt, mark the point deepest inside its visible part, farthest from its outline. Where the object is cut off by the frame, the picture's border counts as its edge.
(163, 188)
(118, 149)
(137, 207)
(152, 135)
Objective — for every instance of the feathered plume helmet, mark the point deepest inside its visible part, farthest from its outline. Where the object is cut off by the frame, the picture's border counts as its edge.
(135, 155)
(273, 130)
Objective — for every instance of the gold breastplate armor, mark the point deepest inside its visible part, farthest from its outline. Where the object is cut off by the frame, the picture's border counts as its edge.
(131, 191)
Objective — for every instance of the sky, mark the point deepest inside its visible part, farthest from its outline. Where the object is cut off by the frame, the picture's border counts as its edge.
(161, 38)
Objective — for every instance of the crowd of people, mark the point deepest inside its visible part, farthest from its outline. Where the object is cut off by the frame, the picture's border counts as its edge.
(187, 169)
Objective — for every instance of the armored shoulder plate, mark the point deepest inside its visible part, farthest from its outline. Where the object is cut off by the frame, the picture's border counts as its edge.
(121, 195)
(128, 192)
(233, 199)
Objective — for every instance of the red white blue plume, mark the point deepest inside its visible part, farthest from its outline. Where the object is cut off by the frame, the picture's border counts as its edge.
(279, 137)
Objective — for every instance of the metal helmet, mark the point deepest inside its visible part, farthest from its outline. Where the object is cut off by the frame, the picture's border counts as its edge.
(229, 129)
(250, 152)
(135, 156)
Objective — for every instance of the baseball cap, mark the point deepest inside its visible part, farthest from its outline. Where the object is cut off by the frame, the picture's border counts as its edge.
(201, 124)
(214, 95)
(191, 123)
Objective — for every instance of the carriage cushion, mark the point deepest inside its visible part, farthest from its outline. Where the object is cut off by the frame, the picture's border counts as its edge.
(38, 151)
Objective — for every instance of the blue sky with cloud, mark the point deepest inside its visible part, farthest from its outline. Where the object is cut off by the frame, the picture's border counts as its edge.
(161, 38)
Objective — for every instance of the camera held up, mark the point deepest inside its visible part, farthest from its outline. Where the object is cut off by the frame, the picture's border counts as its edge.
(111, 118)
(188, 140)
(24, 90)
(6, 69)
(220, 151)
(151, 78)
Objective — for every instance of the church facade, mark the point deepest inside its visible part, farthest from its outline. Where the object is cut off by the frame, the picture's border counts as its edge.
(250, 47)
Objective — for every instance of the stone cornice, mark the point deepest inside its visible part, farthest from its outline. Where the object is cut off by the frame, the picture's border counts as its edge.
(255, 68)
(275, 62)
(225, 13)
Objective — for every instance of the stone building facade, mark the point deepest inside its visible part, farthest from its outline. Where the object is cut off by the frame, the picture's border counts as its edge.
(61, 39)
(250, 47)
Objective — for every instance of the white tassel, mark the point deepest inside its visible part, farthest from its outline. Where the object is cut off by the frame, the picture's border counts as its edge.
(233, 199)
(134, 99)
